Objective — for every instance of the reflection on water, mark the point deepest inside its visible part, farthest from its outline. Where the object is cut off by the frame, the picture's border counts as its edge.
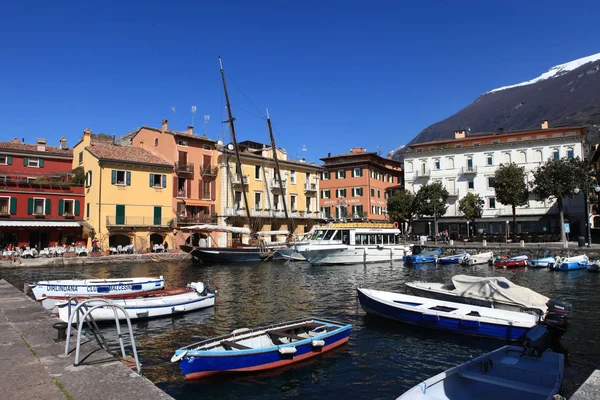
(382, 358)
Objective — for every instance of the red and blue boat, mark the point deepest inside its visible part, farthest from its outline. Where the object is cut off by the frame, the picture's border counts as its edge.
(246, 350)
(511, 262)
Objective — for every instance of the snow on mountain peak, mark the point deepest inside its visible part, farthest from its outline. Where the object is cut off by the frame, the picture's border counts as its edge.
(554, 72)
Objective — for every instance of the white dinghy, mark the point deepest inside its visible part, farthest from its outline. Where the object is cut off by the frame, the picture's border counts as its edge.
(480, 258)
(94, 287)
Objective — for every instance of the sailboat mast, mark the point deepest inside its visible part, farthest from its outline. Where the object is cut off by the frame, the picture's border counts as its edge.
(237, 151)
(278, 172)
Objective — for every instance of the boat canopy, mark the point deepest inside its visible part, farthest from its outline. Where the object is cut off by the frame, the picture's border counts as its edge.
(267, 233)
(496, 288)
(217, 228)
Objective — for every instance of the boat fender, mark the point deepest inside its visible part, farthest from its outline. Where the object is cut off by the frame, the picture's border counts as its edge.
(241, 330)
(318, 343)
(178, 309)
(179, 356)
(197, 286)
(287, 350)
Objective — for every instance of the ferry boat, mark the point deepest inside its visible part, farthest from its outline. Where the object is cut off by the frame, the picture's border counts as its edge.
(352, 243)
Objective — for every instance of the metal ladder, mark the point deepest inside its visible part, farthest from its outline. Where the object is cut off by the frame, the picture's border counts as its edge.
(82, 313)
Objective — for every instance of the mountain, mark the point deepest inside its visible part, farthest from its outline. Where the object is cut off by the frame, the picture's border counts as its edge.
(567, 94)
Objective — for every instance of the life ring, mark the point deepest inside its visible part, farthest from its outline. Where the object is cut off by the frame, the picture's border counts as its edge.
(395, 225)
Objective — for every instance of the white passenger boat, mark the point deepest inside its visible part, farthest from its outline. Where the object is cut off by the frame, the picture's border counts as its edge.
(154, 304)
(112, 287)
(352, 243)
(480, 258)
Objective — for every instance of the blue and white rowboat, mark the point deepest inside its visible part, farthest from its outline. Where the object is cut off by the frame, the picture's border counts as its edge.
(570, 263)
(453, 259)
(94, 287)
(424, 257)
(546, 262)
(447, 316)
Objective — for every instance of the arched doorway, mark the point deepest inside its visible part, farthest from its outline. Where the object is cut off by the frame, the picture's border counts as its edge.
(156, 238)
(119, 239)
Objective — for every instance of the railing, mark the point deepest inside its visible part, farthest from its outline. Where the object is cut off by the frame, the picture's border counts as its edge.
(423, 173)
(310, 187)
(452, 192)
(275, 184)
(204, 219)
(114, 220)
(235, 180)
(234, 212)
(468, 170)
(187, 168)
(209, 171)
(182, 193)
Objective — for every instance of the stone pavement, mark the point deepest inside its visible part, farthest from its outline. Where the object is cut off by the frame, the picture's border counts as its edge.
(33, 365)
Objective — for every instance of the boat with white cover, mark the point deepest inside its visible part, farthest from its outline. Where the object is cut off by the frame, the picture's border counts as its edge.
(155, 304)
(493, 292)
(105, 287)
(510, 372)
(479, 258)
(353, 243)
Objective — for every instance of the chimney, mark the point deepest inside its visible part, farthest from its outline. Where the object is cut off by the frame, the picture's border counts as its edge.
(190, 130)
(41, 144)
(165, 125)
(357, 150)
(63, 143)
(459, 134)
(328, 154)
(545, 124)
(500, 131)
(15, 140)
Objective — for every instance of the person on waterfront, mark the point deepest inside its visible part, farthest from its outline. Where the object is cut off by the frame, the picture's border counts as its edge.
(95, 245)
(166, 246)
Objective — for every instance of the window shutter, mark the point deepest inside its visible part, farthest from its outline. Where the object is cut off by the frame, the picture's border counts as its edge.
(9, 160)
(188, 186)
(61, 207)
(30, 206)
(128, 178)
(41, 163)
(174, 186)
(13, 205)
(113, 177)
(47, 206)
(151, 180)
(87, 210)
(25, 161)
(77, 205)
(213, 190)
(164, 181)
(344, 174)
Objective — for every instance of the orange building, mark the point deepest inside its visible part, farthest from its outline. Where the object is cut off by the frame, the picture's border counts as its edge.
(354, 185)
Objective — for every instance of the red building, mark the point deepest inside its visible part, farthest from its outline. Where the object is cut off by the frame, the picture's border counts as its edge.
(40, 203)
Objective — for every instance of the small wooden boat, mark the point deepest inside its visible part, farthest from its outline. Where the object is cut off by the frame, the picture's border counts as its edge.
(112, 287)
(570, 263)
(510, 372)
(480, 258)
(155, 304)
(424, 257)
(546, 262)
(453, 259)
(447, 316)
(262, 348)
(511, 262)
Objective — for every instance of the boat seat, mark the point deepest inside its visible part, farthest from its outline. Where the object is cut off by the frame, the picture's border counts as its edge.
(494, 380)
(283, 334)
(228, 345)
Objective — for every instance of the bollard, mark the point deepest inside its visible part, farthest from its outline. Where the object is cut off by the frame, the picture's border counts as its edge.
(522, 243)
(61, 327)
(451, 242)
(484, 243)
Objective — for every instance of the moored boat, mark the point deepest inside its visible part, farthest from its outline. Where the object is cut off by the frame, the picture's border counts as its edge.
(424, 257)
(511, 262)
(570, 263)
(155, 304)
(546, 262)
(261, 348)
(479, 258)
(105, 287)
(447, 316)
(594, 266)
(453, 259)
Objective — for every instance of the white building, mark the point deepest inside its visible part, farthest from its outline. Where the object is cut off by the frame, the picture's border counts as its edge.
(468, 162)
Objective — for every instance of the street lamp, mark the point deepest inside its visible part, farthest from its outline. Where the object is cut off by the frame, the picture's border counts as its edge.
(587, 210)
(435, 227)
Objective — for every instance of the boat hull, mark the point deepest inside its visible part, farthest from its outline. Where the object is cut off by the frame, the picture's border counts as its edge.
(570, 266)
(547, 262)
(224, 255)
(422, 258)
(107, 288)
(474, 259)
(333, 255)
(456, 259)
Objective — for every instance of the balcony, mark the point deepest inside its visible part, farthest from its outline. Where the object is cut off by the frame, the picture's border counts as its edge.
(310, 187)
(235, 180)
(184, 168)
(199, 220)
(423, 173)
(276, 186)
(138, 222)
(468, 170)
(182, 193)
(235, 212)
(209, 170)
(452, 192)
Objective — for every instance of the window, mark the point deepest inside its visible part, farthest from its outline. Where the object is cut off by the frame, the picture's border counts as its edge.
(3, 159)
(490, 159)
(492, 202)
(372, 209)
(378, 193)
(292, 176)
(33, 162)
(537, 156)
(158, 181)
(506, 158)
(357, 192)
(87, 210)
(293, 202)
(68, 207)
(341, 193)
(436, 163)
(276, 202)
(457, 146)
(308, 204)
(325, 194)
(206, 147)
(237, 200)
(206, 190)
(495, 141)
(521, 157)
(179, 142)
(308, 177)
(325, 175)
(357, 211)
(80, 157)
(326, 211)
(470, 163)
(88, 179)
(476, 144)
(4, 205)
(121, 177)
(341, 174)
(257, 172)
(372, 192)
(471, 184)
(38, 206)
(450, 164)
(490, 180)
(555, 154)
(257, 200)
(409, 166)
(570, 153)
(356, 172)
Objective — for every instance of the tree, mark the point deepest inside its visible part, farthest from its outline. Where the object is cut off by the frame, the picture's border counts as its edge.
(558, 179)
(433, 192)
(471, 206)
(511, 189)
(401, 208)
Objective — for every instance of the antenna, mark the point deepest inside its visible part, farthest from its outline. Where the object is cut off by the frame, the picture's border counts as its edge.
(206, 119)
(378, 150)
(193, 114)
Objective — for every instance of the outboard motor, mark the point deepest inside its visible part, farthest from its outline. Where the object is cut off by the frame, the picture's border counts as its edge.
(537, 340)
(557, 317)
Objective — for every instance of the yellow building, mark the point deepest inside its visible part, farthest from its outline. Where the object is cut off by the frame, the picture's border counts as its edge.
(128, 194)
(265, 198)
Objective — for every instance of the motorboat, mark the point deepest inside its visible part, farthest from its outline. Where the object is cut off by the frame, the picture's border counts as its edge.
(424, 257)
(493, 292)
(570, 263)
(262, 348)
(453, 259)
(154, 304)
(546, 262)
(479, 258)
(511, 262)
(447, 316)
(593, 266)
(105, 287)
(530, 372)
(352, 243)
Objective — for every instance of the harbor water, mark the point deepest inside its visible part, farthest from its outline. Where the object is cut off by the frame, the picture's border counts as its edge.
(382, 358)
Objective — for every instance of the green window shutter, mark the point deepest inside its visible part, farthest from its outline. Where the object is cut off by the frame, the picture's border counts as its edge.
(9, 160)
(151, 180)
(113, 177)
(61, 207)
(47, 207)
(41, 163)
(164, 181)
(13, 205)
(87, 210)
(30, 206)
(128, 178)
(77, 207)
(25, 161)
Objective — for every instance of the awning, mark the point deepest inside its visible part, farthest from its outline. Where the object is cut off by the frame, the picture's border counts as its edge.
(39, 224)
(217, 228)
(266, 233)
(201, 203)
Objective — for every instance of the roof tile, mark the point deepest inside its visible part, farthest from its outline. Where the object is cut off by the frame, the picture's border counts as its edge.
(111, 152)
(33, 148)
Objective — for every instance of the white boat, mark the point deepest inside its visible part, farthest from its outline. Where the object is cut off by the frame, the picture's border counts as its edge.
(352, 243)
(111, 287)
(157, 304)
(510, 372)
(493, 292)
(480, 258)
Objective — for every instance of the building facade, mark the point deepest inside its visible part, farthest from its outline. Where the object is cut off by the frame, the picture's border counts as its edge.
(265, 197)
(40, 199)
(468, 163)
(354, 186)
(128, 194)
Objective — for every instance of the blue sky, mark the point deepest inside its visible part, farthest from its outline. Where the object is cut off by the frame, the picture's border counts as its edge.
(334, 74)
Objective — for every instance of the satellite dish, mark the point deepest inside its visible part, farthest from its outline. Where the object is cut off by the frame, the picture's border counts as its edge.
(220, 142)
(230, 146)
